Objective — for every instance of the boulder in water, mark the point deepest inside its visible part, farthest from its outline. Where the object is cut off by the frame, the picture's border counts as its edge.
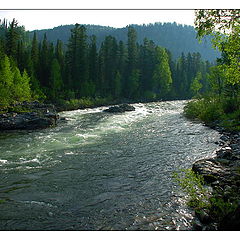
(120, 108)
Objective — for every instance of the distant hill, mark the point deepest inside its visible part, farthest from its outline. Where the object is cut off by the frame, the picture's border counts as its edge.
(175, 37)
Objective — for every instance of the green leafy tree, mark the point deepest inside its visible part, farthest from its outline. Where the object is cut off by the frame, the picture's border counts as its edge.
(26, 89)
(196, 84)
(217, 80)
(6, 81)
(224, 25)
(21, 90)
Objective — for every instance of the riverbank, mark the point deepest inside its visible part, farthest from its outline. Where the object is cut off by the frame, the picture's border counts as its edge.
(28, 116)
(36, 115)
(222, 174)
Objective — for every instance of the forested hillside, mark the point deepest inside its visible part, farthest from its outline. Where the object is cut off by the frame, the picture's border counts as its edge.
(32, 68)
(176, 38)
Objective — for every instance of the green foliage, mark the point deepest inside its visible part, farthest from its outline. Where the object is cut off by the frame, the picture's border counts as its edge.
(149, 95)
(35, 69)
(207, 109)
(196, 85)
(2, 201)
(220, 207)
(217, 22)
(192, 184)
(73, 104)
(88, 89)
(134, 84)
(6, 82)
(200, 198)
(56, 82)
(162, 75)
(14, 87)
(216, 79)
(117, 86)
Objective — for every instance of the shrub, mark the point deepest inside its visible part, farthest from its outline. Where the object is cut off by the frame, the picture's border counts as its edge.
(206, 109)
(192, 184)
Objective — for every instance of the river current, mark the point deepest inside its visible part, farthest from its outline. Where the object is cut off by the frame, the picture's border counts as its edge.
(102, 171)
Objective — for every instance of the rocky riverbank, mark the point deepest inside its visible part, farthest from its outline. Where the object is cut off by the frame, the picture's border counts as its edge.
(29, 116)
(222, 173)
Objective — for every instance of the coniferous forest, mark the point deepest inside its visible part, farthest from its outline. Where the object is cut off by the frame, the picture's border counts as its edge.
(55, 72)
(127, 166)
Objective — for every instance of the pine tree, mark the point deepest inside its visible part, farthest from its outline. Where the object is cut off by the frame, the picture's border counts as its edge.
(93, 57)
(133, 92)
(44, 72)
(12, 39)
(162, 75)
(117, 85)
(132, 85)
(76, 59)
(56, 82)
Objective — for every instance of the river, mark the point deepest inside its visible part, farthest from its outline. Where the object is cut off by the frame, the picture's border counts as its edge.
(102, 171)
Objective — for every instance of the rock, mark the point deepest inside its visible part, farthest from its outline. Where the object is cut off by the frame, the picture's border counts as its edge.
(225, 152)
(120, 108)
(224, 138)
(204, 217)
(37, 116)
(211, 170)
(223, 161)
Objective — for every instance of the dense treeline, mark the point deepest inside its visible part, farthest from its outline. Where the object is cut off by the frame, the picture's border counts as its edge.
(177, 38)
(137, 72)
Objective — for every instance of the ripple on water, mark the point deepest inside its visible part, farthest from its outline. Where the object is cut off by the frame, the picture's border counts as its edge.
(102, 171)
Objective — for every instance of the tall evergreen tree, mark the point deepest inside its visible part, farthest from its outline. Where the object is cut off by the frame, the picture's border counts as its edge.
(162, 75)
(12, 39)
(93, 56)
(56, 82)
(76, 59)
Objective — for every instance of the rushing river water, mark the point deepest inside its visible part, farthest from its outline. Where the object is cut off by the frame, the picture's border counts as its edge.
(101, 171)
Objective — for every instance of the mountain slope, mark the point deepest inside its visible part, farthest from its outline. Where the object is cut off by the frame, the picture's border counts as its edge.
(175, 37)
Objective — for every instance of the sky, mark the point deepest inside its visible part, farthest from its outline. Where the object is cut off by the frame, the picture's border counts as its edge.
(44, 19)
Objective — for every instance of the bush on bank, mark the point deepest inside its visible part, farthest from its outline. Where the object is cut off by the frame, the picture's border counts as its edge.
(211, 110)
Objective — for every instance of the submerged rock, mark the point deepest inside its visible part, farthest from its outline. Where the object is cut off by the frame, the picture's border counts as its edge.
(120, 108)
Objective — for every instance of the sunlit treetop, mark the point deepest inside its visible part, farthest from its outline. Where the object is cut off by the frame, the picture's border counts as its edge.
(216, 21)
